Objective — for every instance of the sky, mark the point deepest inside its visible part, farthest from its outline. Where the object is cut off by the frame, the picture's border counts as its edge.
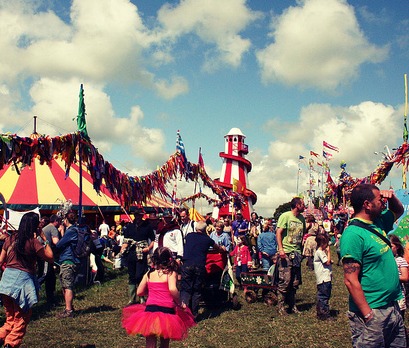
(288, 74)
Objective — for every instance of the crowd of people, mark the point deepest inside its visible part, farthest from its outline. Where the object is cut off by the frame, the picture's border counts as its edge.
(165, 257)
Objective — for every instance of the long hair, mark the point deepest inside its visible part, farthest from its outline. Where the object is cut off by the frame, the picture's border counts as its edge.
(399, 247)
(28, 226)
(162, 259)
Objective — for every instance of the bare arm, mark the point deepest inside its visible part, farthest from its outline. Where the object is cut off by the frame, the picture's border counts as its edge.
(46, 254)
(394, 203)
(404, 277)
(351, 281)
(172, 278)
(279, 237)
(3, 255)
(143, 286)
(328, 252)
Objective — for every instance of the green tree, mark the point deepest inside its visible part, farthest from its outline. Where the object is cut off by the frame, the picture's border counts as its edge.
(281, 209)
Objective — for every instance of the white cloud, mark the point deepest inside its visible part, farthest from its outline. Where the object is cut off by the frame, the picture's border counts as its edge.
(215, 22)
(60, 98)
(104, 40)
(169, 90)
(317, 44)
(357, 131)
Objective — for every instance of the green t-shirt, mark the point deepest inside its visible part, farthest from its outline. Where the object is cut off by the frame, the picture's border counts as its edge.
(379, 276)
(294, 228)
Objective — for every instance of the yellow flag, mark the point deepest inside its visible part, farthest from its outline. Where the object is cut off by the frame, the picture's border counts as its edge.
(237, 186)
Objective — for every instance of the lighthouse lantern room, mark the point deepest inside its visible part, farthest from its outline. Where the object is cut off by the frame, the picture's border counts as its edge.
(234, 172)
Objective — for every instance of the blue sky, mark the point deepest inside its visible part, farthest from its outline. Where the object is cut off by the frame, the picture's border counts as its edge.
(289, 74)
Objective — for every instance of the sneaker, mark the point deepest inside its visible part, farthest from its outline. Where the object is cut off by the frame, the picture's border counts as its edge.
(282, 311)
(295, 310)
(65, 314)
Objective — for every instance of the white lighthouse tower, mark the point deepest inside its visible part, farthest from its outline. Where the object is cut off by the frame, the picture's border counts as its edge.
(234, 172)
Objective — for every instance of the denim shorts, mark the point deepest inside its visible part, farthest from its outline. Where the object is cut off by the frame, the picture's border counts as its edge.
(385, 329)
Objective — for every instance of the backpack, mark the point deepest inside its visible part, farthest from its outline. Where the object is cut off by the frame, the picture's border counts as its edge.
(83, 246)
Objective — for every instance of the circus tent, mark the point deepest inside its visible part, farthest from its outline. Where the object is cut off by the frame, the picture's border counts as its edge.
(48, 187)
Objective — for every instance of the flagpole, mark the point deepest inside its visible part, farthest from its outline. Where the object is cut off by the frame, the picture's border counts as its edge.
(82, 133)
(194, 190)
(80, 174)
(405, 129)
(298, 176)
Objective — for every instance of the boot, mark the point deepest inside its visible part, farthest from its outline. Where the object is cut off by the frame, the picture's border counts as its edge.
(132, 294)
(281, 304)
(291, 302)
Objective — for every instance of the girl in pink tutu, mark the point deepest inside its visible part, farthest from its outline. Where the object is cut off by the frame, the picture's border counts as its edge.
(162, 315)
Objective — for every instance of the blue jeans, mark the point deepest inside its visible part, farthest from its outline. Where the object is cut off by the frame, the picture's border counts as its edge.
(266, 262)
(191, 286)
(323, 296)
(239, 270)
(385, 329)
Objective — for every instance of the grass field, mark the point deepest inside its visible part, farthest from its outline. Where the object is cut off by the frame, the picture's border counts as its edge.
(98, 321)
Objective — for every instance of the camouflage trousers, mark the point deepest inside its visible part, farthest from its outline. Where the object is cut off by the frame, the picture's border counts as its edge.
(289, 279)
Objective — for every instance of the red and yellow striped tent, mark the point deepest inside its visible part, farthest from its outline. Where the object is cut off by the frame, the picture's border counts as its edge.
(47, 187)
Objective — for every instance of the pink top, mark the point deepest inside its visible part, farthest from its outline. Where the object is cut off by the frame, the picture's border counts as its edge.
(159, 295)
(241, 253)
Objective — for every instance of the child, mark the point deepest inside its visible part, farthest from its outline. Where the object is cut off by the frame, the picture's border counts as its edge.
(323, 273)
(398, 252)
(162, 315)
(242, 257)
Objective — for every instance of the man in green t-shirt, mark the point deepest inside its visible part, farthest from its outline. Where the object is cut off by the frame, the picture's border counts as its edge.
(290, 231)
(370, 271)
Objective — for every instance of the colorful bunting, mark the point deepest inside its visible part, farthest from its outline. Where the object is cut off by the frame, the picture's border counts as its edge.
(129, 190)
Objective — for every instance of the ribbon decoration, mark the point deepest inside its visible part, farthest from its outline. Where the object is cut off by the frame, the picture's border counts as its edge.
(129, 190)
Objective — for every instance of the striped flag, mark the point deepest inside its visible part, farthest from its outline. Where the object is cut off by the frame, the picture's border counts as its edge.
(327, 155)
(329, 146)
(180, 147)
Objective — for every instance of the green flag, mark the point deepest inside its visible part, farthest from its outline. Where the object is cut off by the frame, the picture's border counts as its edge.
(81, 123)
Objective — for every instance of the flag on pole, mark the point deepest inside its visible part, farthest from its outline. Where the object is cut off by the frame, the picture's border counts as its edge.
(329, 146)
(312, 153)
(237, 186)
(327, 155)
(180, 147)
(200, 161)
(81, 123)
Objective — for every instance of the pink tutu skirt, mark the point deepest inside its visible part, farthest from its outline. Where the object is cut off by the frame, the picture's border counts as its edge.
(169, 326)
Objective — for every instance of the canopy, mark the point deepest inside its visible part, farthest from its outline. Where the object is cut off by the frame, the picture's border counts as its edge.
(195, 215)
(47, 187)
